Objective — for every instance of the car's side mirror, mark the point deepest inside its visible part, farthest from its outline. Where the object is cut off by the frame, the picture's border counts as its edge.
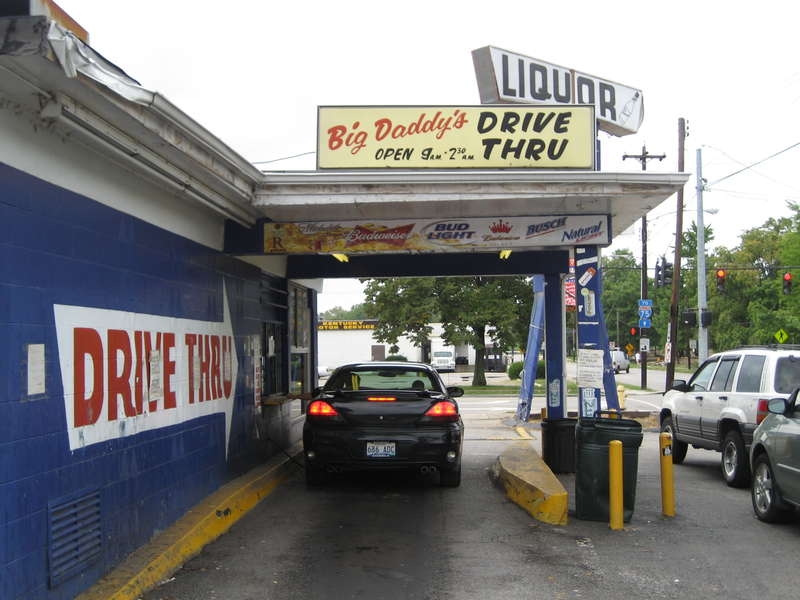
(679, 385)
(777, 406)
(455, 392)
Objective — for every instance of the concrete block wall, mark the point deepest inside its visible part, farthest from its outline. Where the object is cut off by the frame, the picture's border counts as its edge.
(60, 248)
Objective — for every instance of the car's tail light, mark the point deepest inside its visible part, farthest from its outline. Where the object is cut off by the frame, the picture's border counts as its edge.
(443, 411)
(381, 398)
(761, 411)
(320, 408)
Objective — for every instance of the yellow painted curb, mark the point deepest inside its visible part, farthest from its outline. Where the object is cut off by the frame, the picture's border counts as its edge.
(203, 523)
(530, 483)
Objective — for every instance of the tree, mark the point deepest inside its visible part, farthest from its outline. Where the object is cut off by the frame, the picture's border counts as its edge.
(469, 308)
(337, 313)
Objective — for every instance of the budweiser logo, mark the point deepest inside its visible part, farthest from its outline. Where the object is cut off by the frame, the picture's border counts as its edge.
(395, 236)
(500, 227)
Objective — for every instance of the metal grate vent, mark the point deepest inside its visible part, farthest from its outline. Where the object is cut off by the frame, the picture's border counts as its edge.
(75, 536)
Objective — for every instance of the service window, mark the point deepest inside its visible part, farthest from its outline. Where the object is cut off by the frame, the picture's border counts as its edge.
(750, 374)
(699, 382)
(723, 378)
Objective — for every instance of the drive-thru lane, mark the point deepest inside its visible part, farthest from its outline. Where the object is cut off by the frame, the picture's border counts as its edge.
(392, 536)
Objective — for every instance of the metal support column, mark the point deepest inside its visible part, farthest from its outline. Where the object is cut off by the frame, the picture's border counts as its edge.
(555, 352)
(594, 357)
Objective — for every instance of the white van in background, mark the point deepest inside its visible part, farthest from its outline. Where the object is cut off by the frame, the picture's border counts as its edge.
(443, 358)
(619, 361)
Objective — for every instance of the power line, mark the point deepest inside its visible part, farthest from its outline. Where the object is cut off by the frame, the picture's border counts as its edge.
(755, 164)
(263, 162)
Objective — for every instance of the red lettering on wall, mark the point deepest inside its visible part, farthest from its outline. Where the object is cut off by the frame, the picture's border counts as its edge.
(87, 344)
(169, 369)
(190, 339)
(152, 405)
(205, 368)
(138, 379)
(227, 366)
(216, 388)
(119, 384)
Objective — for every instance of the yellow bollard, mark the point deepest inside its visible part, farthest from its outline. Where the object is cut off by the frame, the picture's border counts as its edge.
(615, 484)
(667, 482)
(621, 396)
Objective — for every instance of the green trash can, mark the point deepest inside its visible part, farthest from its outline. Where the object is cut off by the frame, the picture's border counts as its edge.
(558, 444)
(592, 436)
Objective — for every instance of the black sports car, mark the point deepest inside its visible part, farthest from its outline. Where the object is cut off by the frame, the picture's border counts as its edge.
(384, 415)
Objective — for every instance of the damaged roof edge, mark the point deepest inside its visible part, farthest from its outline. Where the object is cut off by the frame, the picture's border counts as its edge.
(201, 151)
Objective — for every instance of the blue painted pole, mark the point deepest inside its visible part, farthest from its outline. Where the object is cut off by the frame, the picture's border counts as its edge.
(534, 345)
(554, 346)
(594, 357)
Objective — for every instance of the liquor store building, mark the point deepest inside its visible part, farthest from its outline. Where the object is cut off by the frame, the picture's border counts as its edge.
(151, 348)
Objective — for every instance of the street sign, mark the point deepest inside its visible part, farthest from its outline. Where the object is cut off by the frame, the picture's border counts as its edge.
(645, 323)
(644, 344)
(629, 348)
(645, 313)
(781, 336)
(643, 302)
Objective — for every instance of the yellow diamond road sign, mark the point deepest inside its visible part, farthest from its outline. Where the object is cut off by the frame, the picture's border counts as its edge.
(629, 348)
(781, 336)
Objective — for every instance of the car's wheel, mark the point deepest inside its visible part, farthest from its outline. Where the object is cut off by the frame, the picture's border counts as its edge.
(678, 448)
(451, 478)
(764, 493)
(315, 476)
(734, 460)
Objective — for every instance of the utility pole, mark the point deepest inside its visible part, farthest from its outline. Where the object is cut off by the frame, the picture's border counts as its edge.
(702, 305)
(672, 336)
(643, 158)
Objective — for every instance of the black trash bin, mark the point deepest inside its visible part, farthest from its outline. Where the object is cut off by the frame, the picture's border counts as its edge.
(591, 470)
(558, 444)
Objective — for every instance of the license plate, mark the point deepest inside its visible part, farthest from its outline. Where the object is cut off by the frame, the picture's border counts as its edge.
(380, 449)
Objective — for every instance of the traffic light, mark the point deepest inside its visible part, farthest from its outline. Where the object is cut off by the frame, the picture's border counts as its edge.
(721, 280)
(633, 331)
(787, 283)
(659, 275)
(666, 272)
(689, 318)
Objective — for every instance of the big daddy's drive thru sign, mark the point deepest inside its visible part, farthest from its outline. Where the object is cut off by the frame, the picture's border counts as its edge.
(504, 76)
(455, 137)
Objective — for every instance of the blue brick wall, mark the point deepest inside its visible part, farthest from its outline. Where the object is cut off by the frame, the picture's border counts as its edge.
(57, 247)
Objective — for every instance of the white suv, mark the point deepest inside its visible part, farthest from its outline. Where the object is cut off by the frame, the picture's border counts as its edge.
(724, 401)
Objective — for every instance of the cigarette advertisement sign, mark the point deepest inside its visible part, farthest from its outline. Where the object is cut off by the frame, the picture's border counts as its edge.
(504, 76)
(455, 137)
(451, 235)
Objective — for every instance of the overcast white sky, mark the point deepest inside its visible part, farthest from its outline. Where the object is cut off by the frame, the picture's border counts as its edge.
(253, 73)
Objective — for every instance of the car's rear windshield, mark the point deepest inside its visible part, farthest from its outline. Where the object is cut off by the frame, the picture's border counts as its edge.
(443, 353)
(387, 378)
(787, 374)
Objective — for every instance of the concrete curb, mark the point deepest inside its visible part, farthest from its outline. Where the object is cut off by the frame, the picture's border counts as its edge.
(530, 483)
(202, 524)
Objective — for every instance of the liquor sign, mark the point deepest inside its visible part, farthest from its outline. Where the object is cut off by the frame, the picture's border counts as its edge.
(508, 77)
(455, 137)
(451, 235)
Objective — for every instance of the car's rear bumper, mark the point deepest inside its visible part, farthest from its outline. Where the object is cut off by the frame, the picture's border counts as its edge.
(346, 448)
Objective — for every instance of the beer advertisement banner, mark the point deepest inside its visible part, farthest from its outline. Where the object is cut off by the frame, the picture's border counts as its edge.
(450, 235)
(456, 137)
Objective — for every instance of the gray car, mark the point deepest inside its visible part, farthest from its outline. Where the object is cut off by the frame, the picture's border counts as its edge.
(775, 461)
